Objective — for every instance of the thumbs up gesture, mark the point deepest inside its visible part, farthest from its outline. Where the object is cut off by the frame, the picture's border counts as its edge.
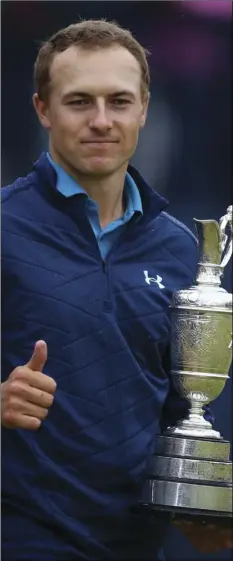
(28, 394)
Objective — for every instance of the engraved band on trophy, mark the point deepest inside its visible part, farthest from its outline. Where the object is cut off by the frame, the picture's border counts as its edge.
(191, 472)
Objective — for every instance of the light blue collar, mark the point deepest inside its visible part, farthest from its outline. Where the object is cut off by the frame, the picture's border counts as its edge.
(68, 187)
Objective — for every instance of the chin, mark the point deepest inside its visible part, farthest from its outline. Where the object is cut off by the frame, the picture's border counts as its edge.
(101, 166)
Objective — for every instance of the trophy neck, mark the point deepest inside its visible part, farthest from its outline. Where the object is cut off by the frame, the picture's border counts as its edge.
(215, 245)
(209, 241)
(209, 274)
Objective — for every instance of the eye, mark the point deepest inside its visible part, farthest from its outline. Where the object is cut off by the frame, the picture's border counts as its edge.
(120, 102)
(79, 102)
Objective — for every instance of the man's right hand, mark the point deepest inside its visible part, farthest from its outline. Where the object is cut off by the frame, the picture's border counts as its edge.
(28, 394)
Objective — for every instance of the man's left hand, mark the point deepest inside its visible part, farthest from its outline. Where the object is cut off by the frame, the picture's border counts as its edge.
(208, 537)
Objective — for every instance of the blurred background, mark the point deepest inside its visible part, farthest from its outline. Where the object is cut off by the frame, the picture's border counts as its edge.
(185, 149)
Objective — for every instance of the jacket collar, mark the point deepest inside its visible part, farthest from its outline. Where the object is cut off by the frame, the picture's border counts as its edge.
(152, 203)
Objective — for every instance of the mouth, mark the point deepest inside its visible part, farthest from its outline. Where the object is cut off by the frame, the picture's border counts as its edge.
(100, 146)
(96, 142)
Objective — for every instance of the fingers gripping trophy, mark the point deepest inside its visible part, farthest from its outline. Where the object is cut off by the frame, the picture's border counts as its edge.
(191, 472)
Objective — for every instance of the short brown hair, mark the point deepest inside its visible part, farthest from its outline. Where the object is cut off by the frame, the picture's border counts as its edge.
(88, 34)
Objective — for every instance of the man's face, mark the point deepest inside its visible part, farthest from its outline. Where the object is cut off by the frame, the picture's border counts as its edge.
(95, 109)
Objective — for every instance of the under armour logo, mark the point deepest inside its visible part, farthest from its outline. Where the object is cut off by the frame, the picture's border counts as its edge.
(149, 280)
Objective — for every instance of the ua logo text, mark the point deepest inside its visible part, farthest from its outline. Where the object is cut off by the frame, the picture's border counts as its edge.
(150, 280)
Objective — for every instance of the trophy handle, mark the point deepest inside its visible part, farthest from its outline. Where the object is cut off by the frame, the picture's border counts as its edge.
(226, 239)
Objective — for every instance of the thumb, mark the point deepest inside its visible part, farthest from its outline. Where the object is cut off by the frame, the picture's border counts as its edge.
(39, 357)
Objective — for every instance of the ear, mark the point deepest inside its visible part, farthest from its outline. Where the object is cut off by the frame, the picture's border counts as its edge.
(42, 111)
(145, 104)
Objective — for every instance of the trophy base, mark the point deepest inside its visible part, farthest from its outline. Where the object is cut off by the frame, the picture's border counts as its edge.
(191, 515)
(186, 430)
(191, 477)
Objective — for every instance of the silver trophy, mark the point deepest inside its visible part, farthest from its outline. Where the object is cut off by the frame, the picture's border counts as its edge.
(190, 472)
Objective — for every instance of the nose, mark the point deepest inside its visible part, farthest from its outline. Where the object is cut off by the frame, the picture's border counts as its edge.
(100, 119)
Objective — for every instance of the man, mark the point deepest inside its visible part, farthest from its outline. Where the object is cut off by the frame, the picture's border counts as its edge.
(90, 262)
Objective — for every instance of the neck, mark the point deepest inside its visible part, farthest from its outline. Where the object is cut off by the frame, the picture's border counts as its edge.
(106, 191)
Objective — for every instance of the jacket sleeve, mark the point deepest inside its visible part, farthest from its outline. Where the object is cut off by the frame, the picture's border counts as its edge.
(176, 407)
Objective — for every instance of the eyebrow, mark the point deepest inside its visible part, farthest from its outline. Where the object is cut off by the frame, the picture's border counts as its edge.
(122, 93)
(86, 95)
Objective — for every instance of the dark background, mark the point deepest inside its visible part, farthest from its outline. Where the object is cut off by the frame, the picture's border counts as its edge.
(185, 149)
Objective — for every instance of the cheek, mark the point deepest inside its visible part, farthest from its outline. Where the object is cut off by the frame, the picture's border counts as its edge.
(131, 132)
(66, 123)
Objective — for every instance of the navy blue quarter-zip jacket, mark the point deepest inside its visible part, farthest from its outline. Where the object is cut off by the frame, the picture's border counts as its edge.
(68, 489)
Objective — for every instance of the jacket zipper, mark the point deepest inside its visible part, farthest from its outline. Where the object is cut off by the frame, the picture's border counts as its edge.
(107, 301)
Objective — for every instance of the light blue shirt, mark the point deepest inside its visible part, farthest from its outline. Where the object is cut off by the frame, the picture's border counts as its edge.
(107, 236)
